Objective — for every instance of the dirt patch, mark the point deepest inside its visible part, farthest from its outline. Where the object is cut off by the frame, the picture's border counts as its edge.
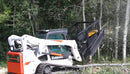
(3, 70)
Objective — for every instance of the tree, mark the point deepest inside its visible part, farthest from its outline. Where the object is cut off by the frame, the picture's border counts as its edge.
(100, 23)
(126, 30)
(117, 28)
(84, 19)
(35, 13)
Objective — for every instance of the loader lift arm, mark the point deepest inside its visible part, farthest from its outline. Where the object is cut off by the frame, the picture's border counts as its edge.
(89, 39)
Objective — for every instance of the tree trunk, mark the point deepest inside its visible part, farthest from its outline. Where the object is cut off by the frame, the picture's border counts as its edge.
(106, 64)
(84, 19)
(34, 16)
(117, 28)
(14, 18)
(126, 30)
(100, 23)
(31, 23)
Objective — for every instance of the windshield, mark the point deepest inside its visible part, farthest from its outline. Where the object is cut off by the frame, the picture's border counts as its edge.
(41, 36)
(56, 36)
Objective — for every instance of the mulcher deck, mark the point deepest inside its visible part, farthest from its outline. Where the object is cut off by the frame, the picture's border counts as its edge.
(88, 41)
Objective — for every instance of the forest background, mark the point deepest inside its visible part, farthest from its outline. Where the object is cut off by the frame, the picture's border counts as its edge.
(27, 16)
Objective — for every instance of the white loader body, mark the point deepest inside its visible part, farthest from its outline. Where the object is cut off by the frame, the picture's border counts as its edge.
(30, 58)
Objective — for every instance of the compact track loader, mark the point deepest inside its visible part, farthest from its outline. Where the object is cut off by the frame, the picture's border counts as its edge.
(52, 48)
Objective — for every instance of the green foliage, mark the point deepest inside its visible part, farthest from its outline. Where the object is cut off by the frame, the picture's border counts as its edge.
(4, 13)
(3, 50)
(3, 64)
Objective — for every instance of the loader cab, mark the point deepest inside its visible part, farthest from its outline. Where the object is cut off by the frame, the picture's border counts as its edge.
(58, 35)
(55, 34)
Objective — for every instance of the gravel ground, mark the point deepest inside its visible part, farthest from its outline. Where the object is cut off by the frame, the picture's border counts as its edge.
(3, 70)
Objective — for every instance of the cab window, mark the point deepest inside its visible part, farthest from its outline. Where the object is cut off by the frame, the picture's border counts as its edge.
(56, 36)
(41, 36)
(58, 49)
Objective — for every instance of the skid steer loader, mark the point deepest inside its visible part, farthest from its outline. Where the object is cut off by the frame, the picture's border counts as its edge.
(52, 48)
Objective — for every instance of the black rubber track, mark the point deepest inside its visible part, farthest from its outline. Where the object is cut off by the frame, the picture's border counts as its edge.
(41, 69)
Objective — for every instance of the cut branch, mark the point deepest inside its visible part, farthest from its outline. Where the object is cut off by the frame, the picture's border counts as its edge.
(92, 65)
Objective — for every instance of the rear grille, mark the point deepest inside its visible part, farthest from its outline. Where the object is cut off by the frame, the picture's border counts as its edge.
(13, 58)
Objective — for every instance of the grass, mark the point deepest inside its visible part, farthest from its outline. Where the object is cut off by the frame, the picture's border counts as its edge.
(106, 59)
(105, 69)
(102, 59)
(101, 70)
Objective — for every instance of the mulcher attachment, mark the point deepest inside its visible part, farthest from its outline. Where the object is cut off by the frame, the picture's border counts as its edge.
(88, 39)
